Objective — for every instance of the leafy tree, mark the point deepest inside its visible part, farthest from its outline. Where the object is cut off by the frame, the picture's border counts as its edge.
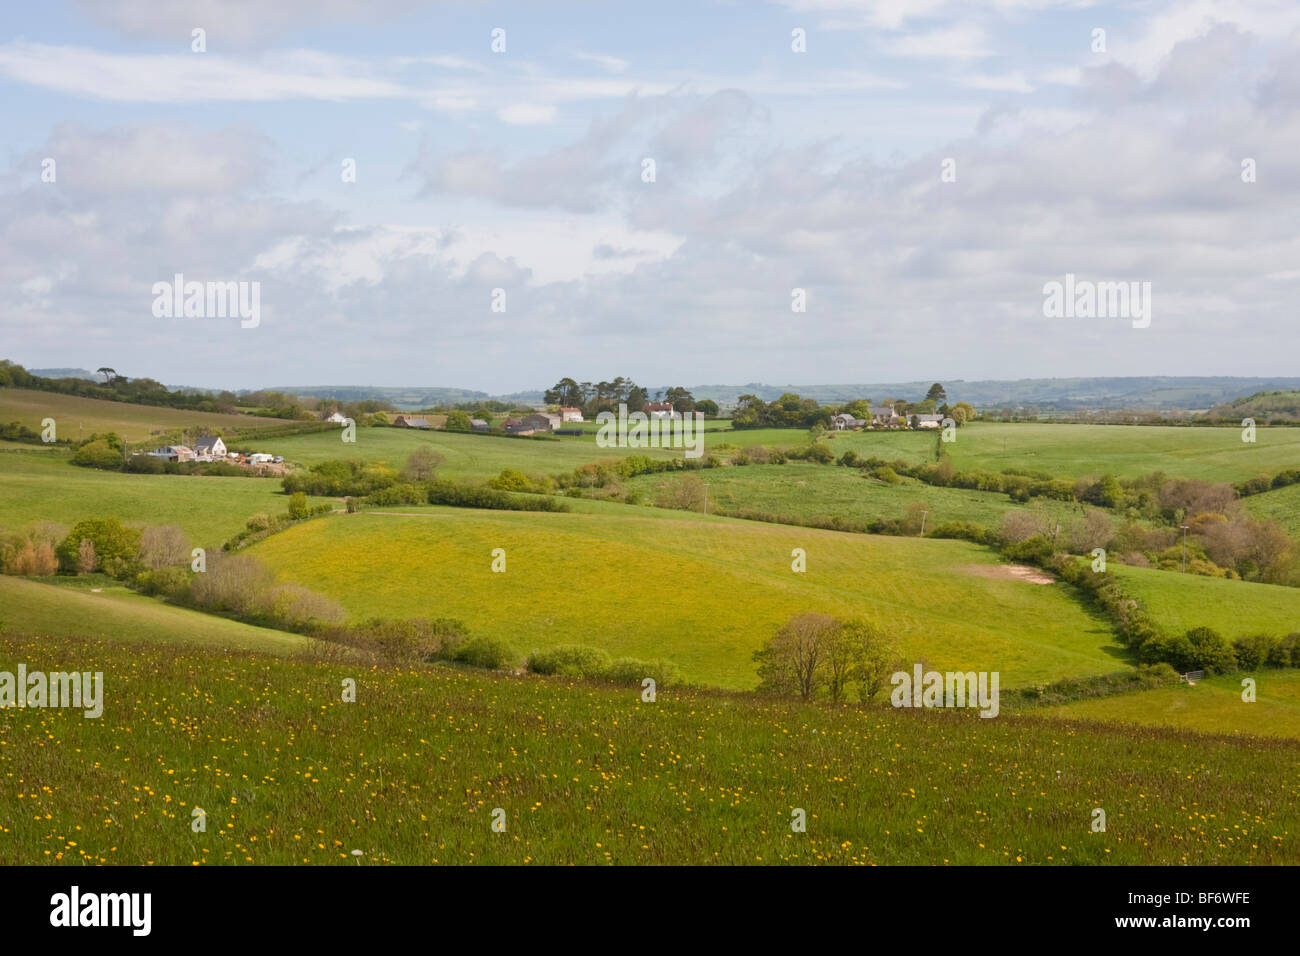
(790, 663)
(936, 394)
(708, 407)
(421, 465)
(98, 454)
(458, 421)
(108, 373)
(682, 400)
(115, 544)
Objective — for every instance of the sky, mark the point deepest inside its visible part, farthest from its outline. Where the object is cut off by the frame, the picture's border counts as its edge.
(496, 195)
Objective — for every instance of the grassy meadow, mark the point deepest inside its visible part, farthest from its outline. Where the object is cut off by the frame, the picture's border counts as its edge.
(1211, 706)
(1281, 505)
(704, 594)
(413, 770)
(74, 415)
(1072, 451)
(464, 455)
(1234, 608)
(40, 484)
(98, 607)
(805, 491)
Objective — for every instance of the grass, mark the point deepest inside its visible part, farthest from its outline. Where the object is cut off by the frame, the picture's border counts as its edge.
(704, 594)
(115, 613)
(806, 491)
(1180, 602)
(1212, 706)
(1071, 451)
(1281, 505)
(412, 772)
(74, 415)
(464, 456)
(41, 485)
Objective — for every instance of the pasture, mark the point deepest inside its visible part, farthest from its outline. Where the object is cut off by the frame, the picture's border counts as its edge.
(72, 609)
(805, 491)
(75, 416)
(1072, 451)
(1180, 602)
(704, 594)
(464, 455)
(1211, 706)
(39, 484)
(413, 770)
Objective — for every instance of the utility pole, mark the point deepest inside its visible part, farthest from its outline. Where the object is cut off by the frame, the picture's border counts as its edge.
(1184, 527)
(923, 514)
(706, 497)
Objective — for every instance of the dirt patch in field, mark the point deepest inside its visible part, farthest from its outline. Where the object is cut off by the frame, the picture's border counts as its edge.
(1010, 572)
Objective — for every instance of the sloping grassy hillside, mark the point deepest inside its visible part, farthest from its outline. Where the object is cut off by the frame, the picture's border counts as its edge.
(41, 485)
(1212, 706)
(1234, 608)
(413, 770)
(136, 423)
(115, 613)
(1216, 454)
(807, 491)
(703, 594)
(464, 456)
(1281, 506)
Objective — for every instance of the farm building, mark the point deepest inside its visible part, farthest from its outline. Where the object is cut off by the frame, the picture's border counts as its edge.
(844, 421)
(479, 425)
(173, 453)
(571, 415)
(412, 421)
(658, 409)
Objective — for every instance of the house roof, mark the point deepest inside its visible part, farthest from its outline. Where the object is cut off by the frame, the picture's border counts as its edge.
(207, 441)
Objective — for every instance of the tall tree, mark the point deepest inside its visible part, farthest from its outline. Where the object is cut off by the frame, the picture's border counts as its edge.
(936, 393)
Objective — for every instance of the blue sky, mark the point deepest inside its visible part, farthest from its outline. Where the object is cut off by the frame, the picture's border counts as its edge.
(775, 170)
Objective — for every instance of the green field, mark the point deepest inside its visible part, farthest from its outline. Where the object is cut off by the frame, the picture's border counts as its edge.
(1212, 706)
(72, 609)
(1180, 602)
(75, 416)
(41, 485)
(1281, 506)
(413, 770)
(464, 456)
(1215, 454)
(804, 491)
(704, 594)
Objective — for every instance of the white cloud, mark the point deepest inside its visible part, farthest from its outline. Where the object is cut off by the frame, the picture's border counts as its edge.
(526, 114)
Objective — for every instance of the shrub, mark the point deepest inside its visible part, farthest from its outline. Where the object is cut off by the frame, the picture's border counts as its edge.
(298, 505)
(259, 522)
(163, 546)
(570, 660)
(629, 670)
(416, 639)
(98, 454)
(170, 582)
(116, 546)
(1035, 550)
(1253, 651)
(487, 652)
(1211, 651)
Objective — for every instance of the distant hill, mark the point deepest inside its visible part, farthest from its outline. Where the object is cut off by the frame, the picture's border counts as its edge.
(66, 373)
(1151, 393)
(401, 397)
(1154, 393)
(1275, 406)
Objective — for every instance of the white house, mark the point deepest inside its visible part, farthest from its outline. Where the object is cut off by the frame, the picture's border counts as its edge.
(337, 419)
(571, 414)
(173, 453)
(210, 447)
